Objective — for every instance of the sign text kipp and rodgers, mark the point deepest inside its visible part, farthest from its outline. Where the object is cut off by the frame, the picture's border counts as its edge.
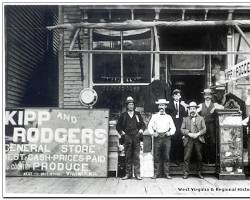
(47, 134)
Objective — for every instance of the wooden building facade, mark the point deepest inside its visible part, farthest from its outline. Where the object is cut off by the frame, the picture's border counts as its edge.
(198, 59)
(31, 56)
(54, 52)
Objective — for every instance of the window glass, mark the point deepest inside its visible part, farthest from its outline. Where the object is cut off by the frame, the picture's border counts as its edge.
(136, 67)
(106, 67)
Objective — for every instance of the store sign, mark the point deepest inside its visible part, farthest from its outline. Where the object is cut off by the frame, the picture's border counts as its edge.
(56, 142)
(238, 71)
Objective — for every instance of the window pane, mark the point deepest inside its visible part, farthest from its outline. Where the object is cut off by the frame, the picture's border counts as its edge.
(138, 44)
(136, 68)
(106, 67)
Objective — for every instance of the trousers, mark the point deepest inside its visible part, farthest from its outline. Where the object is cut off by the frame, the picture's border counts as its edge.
(132, 154)
(210, 145)
(188, 152)
(162, 146)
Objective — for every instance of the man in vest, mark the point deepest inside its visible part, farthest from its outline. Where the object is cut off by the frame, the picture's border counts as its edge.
(131, 126)
(162, 127)
(177, 110)
(193, 128)
(206, 110)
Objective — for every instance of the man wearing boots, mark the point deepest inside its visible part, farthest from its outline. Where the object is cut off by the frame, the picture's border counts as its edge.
(193, 129)
(131, 126)
(161, 126)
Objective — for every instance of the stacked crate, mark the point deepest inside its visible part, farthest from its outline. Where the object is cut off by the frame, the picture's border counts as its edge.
(113, 148)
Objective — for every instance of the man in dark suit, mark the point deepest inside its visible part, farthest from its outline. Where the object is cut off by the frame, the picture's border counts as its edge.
(131, 126)
(193, 129)
(206, 110)
(177, 111)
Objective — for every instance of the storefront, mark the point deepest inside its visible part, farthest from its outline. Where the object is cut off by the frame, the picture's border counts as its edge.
(119, 50)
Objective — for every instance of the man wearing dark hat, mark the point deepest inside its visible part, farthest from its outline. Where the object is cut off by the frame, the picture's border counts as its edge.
(131, 125)
(193, 129)
(177, 110)
(206, 110)
(162, 127)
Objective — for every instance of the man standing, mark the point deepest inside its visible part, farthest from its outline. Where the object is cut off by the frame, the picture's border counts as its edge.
(193, 128)
(206, 110)
(177, 111)
(131, 125)
(161, 126)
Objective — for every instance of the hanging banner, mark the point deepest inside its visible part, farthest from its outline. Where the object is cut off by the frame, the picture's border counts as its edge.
(238, 71)
(56, 142)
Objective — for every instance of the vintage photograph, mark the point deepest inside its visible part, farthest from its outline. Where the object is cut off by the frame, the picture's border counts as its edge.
(126, 99)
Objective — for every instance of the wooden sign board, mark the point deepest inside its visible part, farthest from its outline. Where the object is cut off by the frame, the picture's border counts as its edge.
(56, 142)
(238, 71)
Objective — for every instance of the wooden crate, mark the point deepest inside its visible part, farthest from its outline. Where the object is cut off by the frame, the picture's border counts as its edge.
(113, 162)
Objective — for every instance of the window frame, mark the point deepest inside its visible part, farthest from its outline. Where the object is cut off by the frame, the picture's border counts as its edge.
(121, 53)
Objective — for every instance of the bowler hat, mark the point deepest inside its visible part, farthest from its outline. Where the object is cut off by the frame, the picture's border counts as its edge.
(176, 91)
(130, 100)
(207, 91)
(162, 101)
(192, 104)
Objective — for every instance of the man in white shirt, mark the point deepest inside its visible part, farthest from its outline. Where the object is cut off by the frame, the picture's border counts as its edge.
(161, 126)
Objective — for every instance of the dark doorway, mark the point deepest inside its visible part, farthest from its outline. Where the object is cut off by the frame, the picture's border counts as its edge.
(191, 86)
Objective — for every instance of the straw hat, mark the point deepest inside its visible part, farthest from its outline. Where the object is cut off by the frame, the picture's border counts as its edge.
(192, 104)
(162, 101)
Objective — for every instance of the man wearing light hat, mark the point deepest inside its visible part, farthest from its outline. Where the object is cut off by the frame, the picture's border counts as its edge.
(161, 126)
(193, 129)
(206, 110)
(130, 125)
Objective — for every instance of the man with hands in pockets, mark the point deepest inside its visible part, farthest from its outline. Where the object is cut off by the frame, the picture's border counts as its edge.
(161, 126)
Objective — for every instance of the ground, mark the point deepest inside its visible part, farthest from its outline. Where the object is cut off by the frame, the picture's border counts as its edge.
(107, 187)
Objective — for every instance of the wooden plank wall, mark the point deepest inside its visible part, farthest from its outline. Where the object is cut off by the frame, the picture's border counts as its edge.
(72, 81)
(26, 46)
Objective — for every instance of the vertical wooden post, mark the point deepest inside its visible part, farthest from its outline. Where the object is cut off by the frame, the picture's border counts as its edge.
(90, 59)
(132, 14)
(60, 60)
(86, 40)
(209, 72)
(122, 75)
(238, 48)
(205, 17)
(157, 56)
(152, 56)
(230, 47)
(183, 15)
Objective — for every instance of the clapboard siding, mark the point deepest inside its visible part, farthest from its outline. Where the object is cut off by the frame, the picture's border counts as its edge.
(28, 54)
(73, 83)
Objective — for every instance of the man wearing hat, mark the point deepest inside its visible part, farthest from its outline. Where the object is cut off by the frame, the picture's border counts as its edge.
(206, 109)
(162, 127)
(177, 110)
(193, 129)
(130, 125)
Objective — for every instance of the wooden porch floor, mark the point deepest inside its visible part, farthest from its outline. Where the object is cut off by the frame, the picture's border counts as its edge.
(107, 187)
